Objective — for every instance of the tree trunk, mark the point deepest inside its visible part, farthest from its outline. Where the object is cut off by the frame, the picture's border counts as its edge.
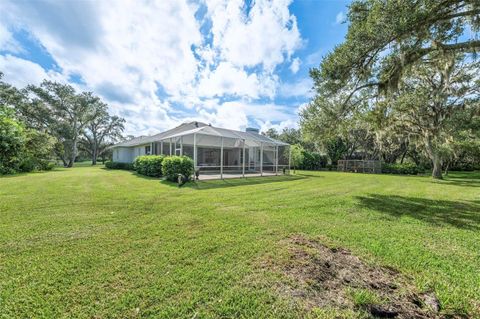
(73, 156)
(403, 156)
(94, 155)
(94, 148)
(437, 167)
(446, 168)
(435, 157)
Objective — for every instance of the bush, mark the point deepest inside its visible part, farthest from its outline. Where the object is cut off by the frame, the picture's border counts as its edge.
(331, 167)
(313, 161)
(174, 165)
(48, 166)
(149, 165)
(30, 164)
(12, 145)
(119, 165)
(405, 168)
(467, 167)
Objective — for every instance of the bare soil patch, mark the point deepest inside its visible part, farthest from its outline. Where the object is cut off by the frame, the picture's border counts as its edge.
(323, 277)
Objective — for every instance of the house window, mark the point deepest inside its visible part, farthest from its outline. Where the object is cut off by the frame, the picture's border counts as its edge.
(147, 150)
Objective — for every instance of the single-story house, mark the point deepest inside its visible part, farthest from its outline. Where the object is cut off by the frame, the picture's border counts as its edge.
(214, 150)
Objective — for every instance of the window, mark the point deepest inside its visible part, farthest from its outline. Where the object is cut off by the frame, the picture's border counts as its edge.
(147, 150)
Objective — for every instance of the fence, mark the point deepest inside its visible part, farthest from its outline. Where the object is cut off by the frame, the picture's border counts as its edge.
(360, 166)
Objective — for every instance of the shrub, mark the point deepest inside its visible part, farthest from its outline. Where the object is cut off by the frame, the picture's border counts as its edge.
(467, 167)
(119, 165)
(313, 161)
(27, 165)
(174, 165)
(331, 167)
(47, 166)
(12, 145)
(405, 168)
(149, 165)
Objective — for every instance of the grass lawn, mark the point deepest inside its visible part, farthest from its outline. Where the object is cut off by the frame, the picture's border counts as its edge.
(89, 242)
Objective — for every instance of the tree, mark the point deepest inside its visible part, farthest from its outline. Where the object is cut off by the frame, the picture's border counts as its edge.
(387, 44)
(335, 149)
(57, 108)
(272, 133)
(433, 95)
(296, 153)
(340, 135)
(387, 37)
(12, 143)
(22, 148)
(101, 132)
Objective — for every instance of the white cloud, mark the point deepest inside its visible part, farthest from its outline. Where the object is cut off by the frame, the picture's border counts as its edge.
(340, 18)
(21, 73)
(314, 58)
(295, 66)
(290, 123)
(7, 42)
(227, 79)
(300, 88)
(128, 52)
(264, 36)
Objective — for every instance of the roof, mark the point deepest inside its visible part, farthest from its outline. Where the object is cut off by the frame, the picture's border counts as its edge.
(200, 128)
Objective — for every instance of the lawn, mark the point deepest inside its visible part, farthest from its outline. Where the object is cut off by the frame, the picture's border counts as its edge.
(89, 242)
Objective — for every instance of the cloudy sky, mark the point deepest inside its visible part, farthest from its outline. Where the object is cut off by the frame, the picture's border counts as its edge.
(159, 63)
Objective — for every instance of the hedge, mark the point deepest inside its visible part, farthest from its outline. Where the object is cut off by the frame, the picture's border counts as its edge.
(313, 161)
(405, 168)
(119, 165)
(174, 165)
(149, 165)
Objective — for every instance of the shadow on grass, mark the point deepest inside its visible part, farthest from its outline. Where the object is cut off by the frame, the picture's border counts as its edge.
(309, 174)
(469, 179)
(233, 182)
(465, 215)
(20, 174)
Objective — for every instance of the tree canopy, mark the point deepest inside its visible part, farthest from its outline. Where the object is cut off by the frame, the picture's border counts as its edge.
(48, 121)
(387, 37)
(402, 78)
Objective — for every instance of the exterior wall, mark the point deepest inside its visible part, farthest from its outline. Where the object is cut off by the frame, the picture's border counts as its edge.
(123, 154)
(128, 154)
(138, 151)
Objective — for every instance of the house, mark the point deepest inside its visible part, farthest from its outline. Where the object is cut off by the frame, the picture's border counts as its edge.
(214, 150)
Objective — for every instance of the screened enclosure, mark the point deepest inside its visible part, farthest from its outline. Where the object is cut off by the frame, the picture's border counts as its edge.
(223, 152)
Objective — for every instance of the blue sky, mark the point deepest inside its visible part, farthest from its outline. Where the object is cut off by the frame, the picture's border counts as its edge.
(159, 63)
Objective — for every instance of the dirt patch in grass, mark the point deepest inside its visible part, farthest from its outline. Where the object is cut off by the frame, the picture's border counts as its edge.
(333, 278)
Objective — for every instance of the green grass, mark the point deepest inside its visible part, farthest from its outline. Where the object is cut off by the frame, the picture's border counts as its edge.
(89, 242)
(364, 297)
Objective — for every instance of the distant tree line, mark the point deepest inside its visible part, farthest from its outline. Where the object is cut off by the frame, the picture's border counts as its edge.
(49, 122)
(403, 86)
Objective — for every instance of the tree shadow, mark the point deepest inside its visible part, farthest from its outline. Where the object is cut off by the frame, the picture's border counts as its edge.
(461, 182)
(234, 182)
(309, 174)
(20, 174)
(465, 215)
(469, 179)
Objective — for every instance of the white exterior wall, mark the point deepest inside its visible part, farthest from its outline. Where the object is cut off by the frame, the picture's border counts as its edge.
(139, 151)
(128, 154)
(123, 154)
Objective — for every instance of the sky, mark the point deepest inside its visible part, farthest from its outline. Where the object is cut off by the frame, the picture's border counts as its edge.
(231, 63)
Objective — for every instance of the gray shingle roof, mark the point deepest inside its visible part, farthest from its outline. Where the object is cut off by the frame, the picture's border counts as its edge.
(201, 128)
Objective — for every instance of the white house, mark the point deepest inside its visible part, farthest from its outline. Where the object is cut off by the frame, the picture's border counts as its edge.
(214, 150)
